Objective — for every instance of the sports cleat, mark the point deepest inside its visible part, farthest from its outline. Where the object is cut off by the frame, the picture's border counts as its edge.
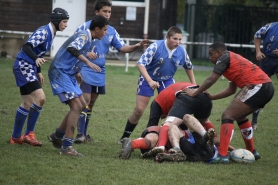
(16, 140)
(126, 149)
(120, 141)
(256, 155)
(80, 138)
(175, 157)
(56, 142)
(210, 134)
(254, 126)
(220, 160)
(156, 150)
(175, 150)
(89, 139)
(70, 151)
(31, 139)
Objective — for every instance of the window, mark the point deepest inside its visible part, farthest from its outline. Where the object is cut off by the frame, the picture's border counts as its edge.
(136, 3)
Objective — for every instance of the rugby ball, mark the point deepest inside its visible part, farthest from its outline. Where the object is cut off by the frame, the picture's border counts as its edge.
(242, 156)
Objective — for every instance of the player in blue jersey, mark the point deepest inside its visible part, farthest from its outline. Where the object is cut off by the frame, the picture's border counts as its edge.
(157, 66)
(268, 56)
(93, 83)
(63, 76)
(27, 72)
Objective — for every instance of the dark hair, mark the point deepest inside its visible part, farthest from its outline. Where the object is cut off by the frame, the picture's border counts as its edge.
(173, 30)
(57, 15)
(98, 21)
(218, 46)
(101, 3)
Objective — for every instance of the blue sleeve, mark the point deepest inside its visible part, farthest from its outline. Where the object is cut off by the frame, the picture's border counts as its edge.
(147, 56)
(117, 42)
(38, 37)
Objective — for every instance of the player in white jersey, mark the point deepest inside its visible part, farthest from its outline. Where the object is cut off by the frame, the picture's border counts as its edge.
(93, 83)
(29, 79)
(157, 66)
(62, 72)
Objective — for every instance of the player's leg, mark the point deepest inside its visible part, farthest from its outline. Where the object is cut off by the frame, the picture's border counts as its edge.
(34, 112)
(76, 106)
(87, 90)
(255, 119)
(89, 108)
(155, 114)
(146, 142)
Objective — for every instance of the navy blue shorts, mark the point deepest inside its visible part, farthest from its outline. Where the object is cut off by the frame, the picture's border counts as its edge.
(87, 88)
(269, 65)
(144, 89)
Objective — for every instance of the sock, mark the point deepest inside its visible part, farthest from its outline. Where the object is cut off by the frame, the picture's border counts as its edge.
(20, 117)
(34, 113)
(128, 129)
(89, 113)
(247, 135)
(255, 116)
(81, 121)
(67, 142)
(59, 133)
(163, 136)
(226, 134)
(141, 143)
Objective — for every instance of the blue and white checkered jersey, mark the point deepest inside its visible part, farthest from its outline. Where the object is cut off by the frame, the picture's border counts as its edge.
(162, 63)
(41, 40)
(112, 38)
(269, 35)
(65, 62)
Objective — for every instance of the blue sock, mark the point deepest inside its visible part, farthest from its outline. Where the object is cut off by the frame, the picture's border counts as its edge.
(20, 117)
(89, 113)
(59, 133)
(255, 116)
(67, 142)
(81, 121)
(34, 113)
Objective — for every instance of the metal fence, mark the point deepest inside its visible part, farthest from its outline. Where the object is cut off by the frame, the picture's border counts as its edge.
(234, 25)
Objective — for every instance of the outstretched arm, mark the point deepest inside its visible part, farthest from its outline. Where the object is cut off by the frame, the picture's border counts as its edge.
(131, 48)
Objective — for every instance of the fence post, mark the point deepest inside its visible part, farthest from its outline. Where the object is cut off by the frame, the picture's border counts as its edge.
(126, 57)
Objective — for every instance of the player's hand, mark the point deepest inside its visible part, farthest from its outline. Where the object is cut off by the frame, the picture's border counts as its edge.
(40, 61)
(153, 84)
(94, 67)
(78, 78)
(260, 56)
(40, 78)
(188, 91)
(275, 51)
(144, 42)
(208, 94)
(91, 55)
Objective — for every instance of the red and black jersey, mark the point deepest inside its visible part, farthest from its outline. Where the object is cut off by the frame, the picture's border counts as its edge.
(240, 70)
(167, 97)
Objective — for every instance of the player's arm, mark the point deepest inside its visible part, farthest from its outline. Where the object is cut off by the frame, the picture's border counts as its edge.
(190, 75)
(226, 92)
(205, 85)
(131, 48)
(73, 51)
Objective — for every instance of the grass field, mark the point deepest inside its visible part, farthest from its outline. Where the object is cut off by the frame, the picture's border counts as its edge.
(23, 164)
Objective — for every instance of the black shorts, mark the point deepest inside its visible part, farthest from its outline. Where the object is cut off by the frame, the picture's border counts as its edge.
(155, 114)
(254, 97)
(199, 151)
(30, 87)
(87, 88)
(199, 105)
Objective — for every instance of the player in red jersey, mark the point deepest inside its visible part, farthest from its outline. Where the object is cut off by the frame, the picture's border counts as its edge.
(164, 101)
(256, 91)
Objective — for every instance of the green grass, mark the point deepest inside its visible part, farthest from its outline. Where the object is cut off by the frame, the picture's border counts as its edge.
(24, 164)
